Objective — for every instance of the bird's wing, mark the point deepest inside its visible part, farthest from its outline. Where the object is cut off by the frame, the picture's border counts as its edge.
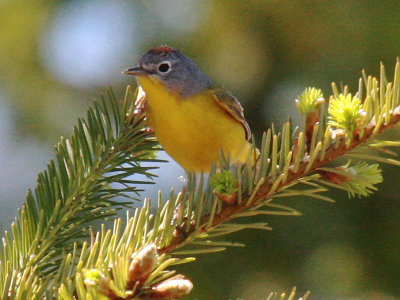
(232, 106)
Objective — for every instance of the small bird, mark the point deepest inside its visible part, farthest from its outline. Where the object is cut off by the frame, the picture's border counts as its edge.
(192, 117)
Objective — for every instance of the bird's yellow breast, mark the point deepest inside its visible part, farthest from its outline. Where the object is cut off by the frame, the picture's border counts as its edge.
(192, 130)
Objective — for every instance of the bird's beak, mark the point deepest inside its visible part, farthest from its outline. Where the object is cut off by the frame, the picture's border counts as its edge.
(136, 71)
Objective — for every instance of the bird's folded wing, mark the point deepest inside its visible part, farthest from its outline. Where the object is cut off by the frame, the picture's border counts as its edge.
(232, 106)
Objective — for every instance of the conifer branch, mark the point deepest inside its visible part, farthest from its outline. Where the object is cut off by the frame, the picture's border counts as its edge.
(203, 211)
(133, 262)
(91, 169)
(359, 127)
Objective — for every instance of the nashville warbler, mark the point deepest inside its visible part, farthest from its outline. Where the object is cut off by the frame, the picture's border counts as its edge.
(192, 117)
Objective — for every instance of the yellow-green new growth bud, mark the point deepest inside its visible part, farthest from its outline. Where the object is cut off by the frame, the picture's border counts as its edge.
(364, 180)
(309, 100)
(92, 277)
(309, 105)
(225, 186)
(358, 180)
(345, 113)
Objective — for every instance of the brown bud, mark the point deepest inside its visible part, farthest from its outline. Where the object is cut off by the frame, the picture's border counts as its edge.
(312, 118)
(105, 289)
(295, 149)
(334, 177)
(141, 265)
(228, 199)
(175, 287)
(337, 132)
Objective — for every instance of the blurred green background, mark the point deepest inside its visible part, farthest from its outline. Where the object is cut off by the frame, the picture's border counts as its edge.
(57, 56)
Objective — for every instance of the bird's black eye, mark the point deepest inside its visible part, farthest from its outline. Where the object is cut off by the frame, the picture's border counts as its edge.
(163, 68)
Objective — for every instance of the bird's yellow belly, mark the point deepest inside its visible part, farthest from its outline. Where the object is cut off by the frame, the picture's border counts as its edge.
(192, 130)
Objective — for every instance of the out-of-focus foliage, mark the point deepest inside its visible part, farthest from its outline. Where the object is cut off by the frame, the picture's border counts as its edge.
(265, 52)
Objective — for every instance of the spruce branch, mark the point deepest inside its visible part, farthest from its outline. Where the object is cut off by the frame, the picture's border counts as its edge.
(123, 263)
(200, 212)
(90, 170)
(286, 161)
(134, 262)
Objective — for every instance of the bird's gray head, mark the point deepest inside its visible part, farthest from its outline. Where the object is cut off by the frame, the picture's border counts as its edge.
(178, 72)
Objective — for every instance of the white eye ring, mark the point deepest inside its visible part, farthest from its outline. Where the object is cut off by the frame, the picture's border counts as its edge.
(164, 67)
